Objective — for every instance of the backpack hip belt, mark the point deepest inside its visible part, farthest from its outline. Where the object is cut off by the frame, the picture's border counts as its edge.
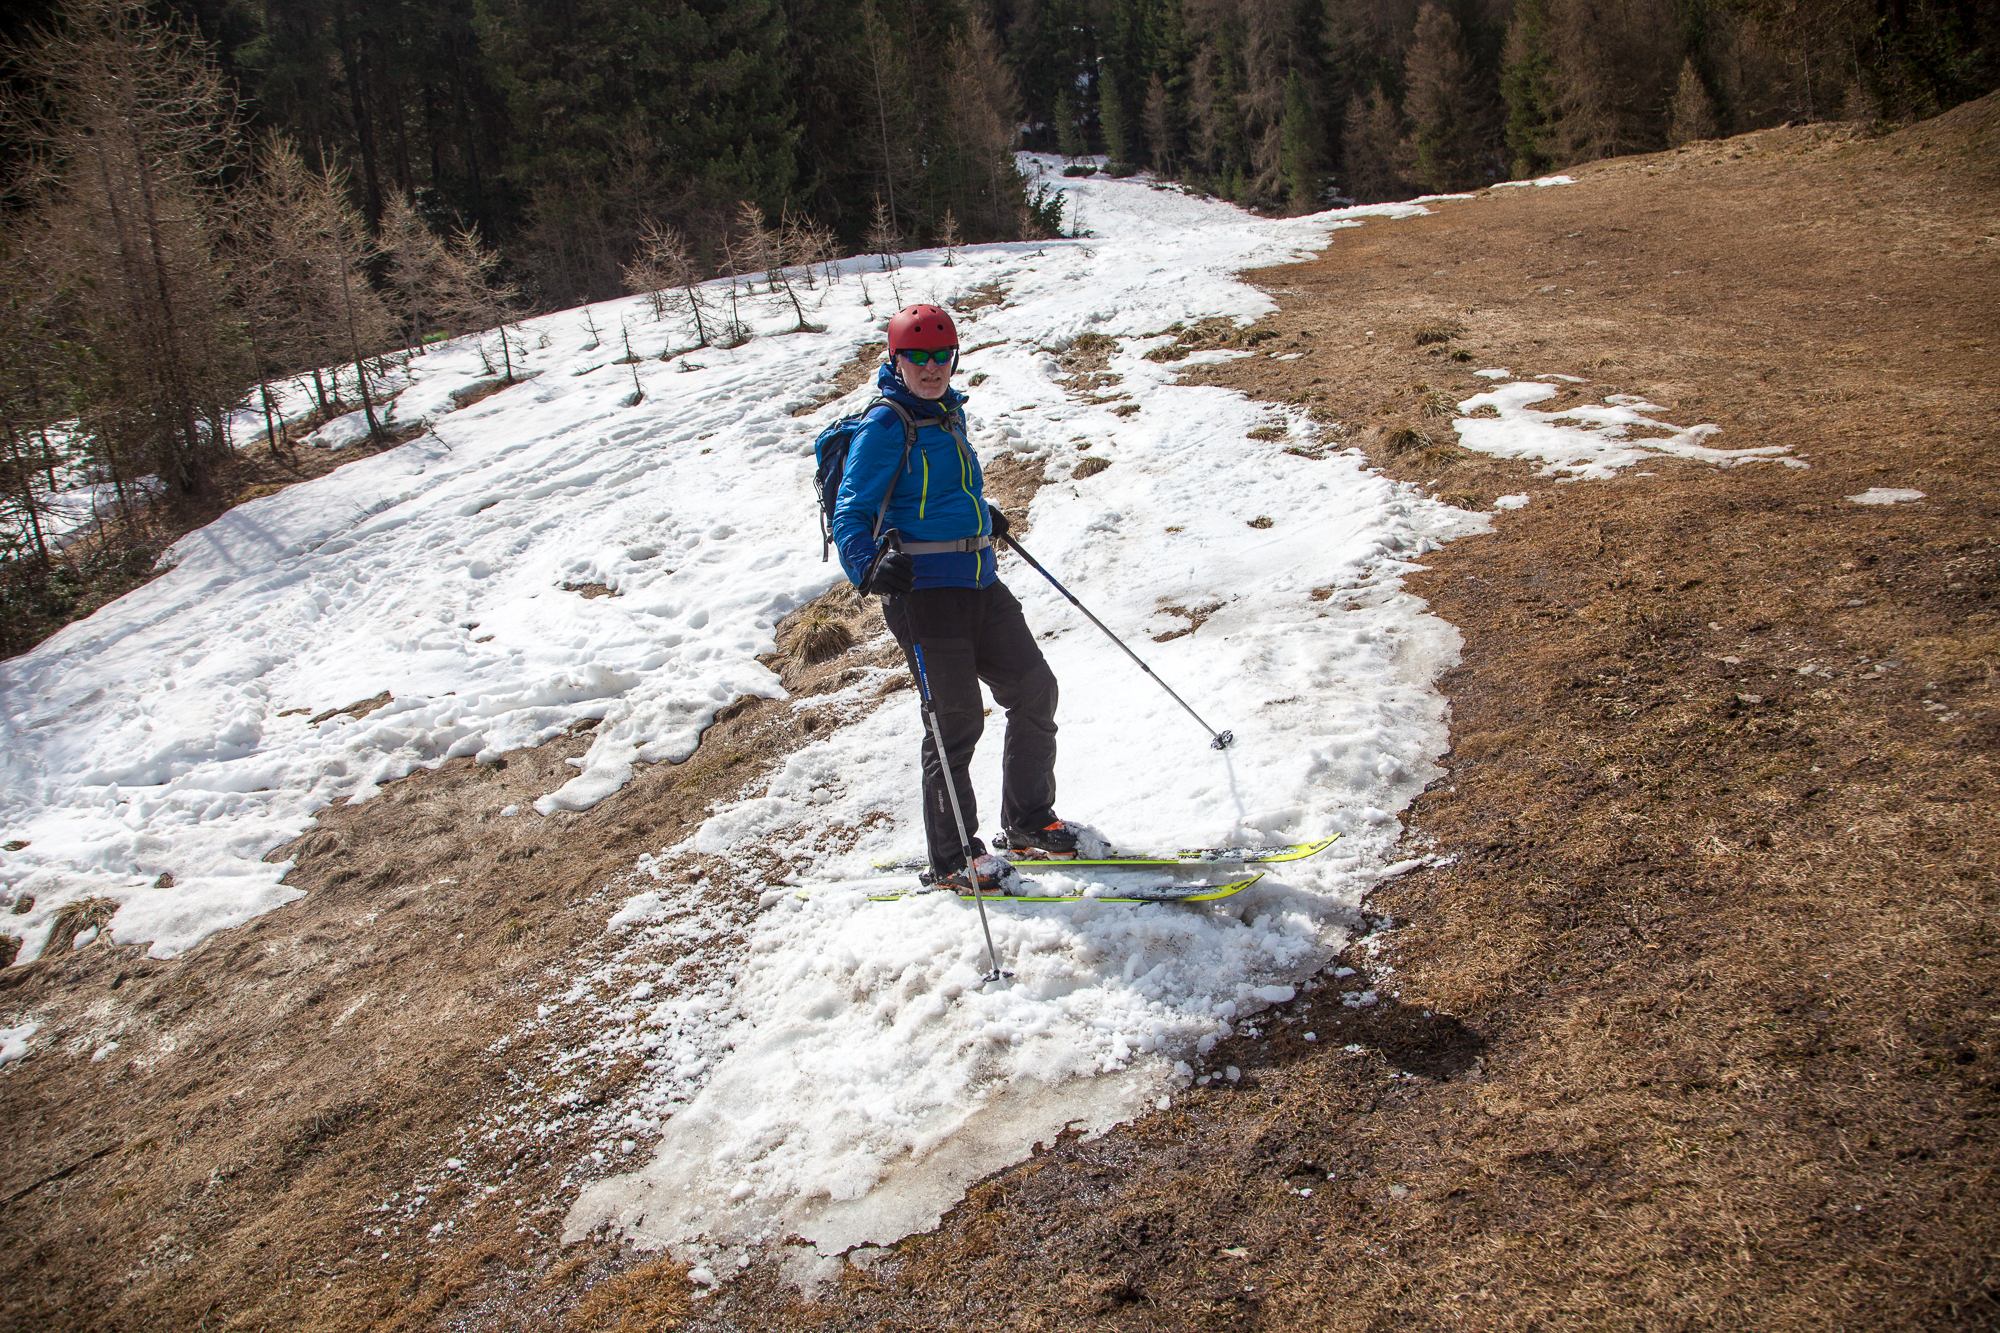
(941, 548)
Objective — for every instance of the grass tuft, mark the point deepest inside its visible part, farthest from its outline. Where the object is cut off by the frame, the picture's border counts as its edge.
(74, 918)
(822, 635)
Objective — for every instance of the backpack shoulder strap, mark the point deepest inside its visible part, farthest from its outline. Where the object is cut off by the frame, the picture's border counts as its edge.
(909, 441)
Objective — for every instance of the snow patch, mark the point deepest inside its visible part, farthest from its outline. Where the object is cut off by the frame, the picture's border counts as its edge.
(1590, 440)
(14, 1042)
(1885, 495)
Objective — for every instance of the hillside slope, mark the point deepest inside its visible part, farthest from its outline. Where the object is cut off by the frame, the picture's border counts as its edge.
(1696, 1028)
(1687, 1021)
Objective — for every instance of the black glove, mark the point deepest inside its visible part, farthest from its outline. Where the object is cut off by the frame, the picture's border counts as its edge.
(894, 574)
(1000, 523)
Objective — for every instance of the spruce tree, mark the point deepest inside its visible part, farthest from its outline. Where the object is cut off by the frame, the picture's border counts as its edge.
(1528, 84)
(1069, 130)
(1111, 121)
(638, 111)
(1162, 129)
(1447, 118)
(1302, 151)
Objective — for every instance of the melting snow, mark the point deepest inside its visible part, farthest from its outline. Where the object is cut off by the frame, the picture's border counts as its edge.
(14, 1042)
(1885, 495)
(1590, 440)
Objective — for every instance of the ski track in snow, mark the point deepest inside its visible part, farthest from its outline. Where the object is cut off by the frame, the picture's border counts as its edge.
(813, 1065)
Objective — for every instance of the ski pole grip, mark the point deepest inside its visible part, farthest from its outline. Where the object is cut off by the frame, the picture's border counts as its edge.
(892, 540)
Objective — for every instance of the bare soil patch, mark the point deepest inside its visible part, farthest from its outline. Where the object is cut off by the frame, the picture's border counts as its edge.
(859, 369)
(1694, 1028)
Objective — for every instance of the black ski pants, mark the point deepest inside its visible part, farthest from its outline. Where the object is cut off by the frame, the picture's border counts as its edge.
(969, 635)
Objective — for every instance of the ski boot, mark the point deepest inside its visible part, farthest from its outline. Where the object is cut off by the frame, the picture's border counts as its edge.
(993, 872)
(1055, 842)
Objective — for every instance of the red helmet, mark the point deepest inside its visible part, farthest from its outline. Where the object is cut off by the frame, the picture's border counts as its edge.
(921, 328)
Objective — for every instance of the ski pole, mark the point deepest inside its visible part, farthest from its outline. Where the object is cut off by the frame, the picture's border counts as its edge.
(957, 815)
(1218, 740)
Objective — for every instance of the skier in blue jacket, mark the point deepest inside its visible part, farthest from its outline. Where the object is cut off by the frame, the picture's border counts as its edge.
(942, 589)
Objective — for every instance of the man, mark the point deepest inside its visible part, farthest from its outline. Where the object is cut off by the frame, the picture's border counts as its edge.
(942, 589)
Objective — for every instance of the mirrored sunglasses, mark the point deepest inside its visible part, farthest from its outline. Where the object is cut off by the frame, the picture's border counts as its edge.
(937, 356)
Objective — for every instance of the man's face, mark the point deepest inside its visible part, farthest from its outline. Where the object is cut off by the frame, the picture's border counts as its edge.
(928, 380)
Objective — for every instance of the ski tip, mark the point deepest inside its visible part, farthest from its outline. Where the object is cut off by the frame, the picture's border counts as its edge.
(1222, 890)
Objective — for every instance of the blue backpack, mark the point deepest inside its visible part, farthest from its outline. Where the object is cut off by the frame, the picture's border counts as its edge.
(830, 458)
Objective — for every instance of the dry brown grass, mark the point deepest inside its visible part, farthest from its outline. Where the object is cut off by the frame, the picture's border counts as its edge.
(859, 369)
(652, 1298)
(73, 919)
(820, 635)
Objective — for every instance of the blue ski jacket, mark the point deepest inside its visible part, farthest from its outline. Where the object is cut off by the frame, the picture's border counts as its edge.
(939, 495)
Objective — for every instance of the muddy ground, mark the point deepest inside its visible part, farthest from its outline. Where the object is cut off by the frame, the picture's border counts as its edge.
(1691, 1025)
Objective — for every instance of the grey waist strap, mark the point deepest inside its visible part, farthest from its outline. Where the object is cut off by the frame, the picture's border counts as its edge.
(941, 548)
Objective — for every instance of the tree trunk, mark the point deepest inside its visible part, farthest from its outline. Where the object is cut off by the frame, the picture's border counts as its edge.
(192, 476)
(29, 505)
(881, 105)
(364, 130)
(354, 339)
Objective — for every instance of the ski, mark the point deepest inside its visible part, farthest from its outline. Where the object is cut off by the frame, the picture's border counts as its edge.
(1187, 856)
(1112, 884)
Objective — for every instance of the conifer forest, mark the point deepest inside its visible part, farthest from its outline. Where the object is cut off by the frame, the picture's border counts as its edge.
(203, 196)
